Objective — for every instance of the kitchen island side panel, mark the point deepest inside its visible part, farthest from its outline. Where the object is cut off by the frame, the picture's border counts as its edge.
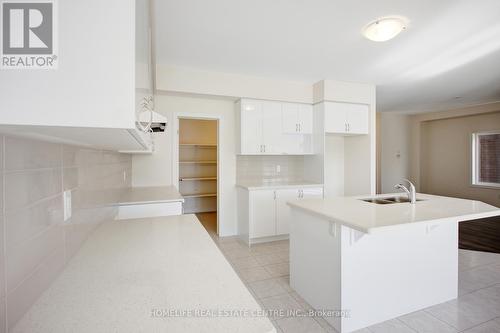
(315, 262)
(398, 271)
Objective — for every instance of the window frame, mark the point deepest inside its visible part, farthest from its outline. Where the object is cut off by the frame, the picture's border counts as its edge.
(476, 161)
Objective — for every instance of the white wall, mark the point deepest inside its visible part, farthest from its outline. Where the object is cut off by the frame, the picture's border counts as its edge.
(156, 169)
(192, 81)
(395, 132)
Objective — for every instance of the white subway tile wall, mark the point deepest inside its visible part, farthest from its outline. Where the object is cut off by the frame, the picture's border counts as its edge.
(35, 242)
(256, 168)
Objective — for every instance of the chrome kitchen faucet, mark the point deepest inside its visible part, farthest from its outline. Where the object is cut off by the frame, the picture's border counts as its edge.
(412, 195)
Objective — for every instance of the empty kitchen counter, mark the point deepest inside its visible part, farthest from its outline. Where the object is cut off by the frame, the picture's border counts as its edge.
(146, 275)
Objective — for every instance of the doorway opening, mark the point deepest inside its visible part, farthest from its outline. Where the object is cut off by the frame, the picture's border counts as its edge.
(198, 170)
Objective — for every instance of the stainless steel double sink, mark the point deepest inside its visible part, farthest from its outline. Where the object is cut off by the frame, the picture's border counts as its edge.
(387, 201)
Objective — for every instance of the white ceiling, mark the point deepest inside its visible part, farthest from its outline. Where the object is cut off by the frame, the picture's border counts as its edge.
(451, 48)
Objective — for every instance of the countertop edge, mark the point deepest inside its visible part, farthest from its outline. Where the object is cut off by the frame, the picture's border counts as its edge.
(130, 203)
(372, 230)
(278, 186)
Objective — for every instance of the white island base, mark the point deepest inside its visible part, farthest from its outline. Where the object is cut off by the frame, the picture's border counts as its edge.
(375, 274)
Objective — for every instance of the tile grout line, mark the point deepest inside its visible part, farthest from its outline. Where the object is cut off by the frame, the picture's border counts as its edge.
(464, 330)
(35, 270)
(405, 324)
(4, 236)
(458, 330)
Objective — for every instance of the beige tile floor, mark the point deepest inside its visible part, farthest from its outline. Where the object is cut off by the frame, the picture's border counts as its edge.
(264, 269)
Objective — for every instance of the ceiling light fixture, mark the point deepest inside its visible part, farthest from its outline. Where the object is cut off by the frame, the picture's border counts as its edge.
(385, 28)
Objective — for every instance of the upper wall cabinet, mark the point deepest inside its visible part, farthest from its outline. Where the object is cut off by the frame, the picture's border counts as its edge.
(297, 118)
(103, 73)
(261, 128)
(346, 118)
(258, 127)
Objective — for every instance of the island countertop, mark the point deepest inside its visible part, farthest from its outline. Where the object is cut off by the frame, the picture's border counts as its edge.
(128, 274)
(369, 217)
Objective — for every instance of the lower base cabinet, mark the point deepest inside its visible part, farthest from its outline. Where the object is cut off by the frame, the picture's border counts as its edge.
(263, 214)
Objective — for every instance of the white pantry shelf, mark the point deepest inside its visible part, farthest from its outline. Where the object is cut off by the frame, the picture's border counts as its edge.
(199, 195)
(197, 178)
(202, 145)
(198, 162)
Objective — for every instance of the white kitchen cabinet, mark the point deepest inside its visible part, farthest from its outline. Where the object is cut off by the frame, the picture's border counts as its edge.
(297, 118)
(251, 127)
(305, 119)
(346, 118)
(104, 71)
(263, 213)
(312, 193)
(290, 113)
(263, 129)
(258, 127)
(272, 138)
(283, 210)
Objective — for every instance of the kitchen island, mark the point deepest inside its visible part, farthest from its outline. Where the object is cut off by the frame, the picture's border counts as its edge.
(369, 259)
(161, 274)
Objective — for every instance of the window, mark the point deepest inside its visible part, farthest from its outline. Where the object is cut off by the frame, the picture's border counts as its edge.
(486, 159)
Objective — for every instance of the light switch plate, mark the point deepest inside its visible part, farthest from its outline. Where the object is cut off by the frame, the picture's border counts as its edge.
(278, 168)
(67, 205)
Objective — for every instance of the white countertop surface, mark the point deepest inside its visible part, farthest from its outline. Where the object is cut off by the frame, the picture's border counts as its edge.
(128, 268)
(261, 184)
(145, 195)
(369, 217)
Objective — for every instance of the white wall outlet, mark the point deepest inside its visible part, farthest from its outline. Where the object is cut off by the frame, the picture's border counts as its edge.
(278, 168)
(67, 205)
(124, 176)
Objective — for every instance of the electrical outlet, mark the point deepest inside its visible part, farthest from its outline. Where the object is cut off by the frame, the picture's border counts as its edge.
(278, 168)
(67, 205)
(124, 176)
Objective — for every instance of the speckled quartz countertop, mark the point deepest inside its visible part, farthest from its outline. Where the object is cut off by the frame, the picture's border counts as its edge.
(370, 217)
(274, 184)
(128, 276)
(143, 195)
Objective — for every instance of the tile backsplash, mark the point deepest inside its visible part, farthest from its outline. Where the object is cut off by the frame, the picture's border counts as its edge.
(251, 168)
(35, 242)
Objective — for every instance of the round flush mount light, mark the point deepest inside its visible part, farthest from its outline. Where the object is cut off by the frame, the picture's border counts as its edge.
(385, 28)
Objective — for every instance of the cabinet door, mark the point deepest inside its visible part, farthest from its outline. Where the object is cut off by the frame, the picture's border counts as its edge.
(263, 213)
(283, 215)
(290, 118)
(305, 119)
(357, 118)
(251, 127)
(272, 137)
(312, 193)
(335, 118)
